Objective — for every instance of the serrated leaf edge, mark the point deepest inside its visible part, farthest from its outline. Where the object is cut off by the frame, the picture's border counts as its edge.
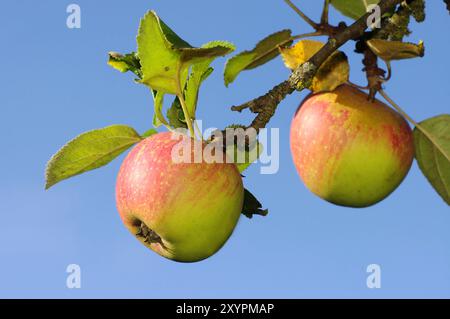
(59, 153)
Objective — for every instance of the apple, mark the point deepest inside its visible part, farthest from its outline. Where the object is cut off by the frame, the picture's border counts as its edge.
(182, 211)
(348, 150)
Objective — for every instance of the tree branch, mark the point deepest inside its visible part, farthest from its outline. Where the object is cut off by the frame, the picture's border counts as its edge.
(301, 78)
(267, 104)
(394, 28)
(325, 12)
(301, 14)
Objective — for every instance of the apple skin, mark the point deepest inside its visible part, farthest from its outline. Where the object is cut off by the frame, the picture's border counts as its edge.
(348, 150)
(192, 207)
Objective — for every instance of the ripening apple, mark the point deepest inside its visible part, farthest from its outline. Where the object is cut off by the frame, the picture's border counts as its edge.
(348, 150)
(182, 211)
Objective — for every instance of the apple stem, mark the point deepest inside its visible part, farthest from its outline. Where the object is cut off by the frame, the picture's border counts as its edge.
(398, 108)
(180, 95)
(198, 130)
(358, 86)
(410, 119)
(187, 116)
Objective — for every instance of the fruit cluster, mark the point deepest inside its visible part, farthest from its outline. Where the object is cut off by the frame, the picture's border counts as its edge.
(348, 148)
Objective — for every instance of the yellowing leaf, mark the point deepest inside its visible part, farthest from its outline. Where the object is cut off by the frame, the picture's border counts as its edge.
(119, 65)
(396, 50)
(334, 72)
(301, 52)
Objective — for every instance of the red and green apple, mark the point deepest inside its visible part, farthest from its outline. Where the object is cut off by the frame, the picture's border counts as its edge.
(348, 150)
(182, 211)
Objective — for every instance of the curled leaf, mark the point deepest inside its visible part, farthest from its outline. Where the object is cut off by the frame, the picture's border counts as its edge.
(252, 206)
(395, 50)
(333, 72)
(175, 115)
(125, 63)
(207, 52)
(158, 103)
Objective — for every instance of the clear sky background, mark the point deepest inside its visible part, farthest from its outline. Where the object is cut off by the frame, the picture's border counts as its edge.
(55, 84)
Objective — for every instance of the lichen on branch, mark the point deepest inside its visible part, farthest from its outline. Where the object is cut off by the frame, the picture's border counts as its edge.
(395, 28)
(301, 78)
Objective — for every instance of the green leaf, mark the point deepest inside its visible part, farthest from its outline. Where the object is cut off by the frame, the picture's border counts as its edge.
(353, 8)
(159, 57)
(207, 52)
(175, 115)
(201, 70)
(433, 153)
(125, 63)
(252, 206)
(265, 51)
(89, 151)
(166, 58)
(170, 35)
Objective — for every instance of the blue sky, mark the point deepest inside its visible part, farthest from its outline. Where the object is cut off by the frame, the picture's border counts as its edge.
(55, 84)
